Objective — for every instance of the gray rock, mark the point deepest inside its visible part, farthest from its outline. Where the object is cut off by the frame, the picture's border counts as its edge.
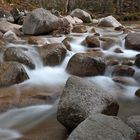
(79, 99)
(123, 70)
(11, 37)
(12, 73)
(53, 54)
(93, 41)
(102, 127)
(5, 26)
(79, 29)
(134, 123)
(109, 21)
(18, 55)
(81, 14)
(40, 21)
(87, 64)
(133, 41)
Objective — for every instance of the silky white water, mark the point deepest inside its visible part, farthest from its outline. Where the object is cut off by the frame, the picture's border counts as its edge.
(16, 121)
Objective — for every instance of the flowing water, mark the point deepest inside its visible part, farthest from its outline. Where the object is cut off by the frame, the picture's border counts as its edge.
(16, 122)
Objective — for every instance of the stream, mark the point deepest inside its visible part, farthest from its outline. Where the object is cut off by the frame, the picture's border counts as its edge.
(16, 123)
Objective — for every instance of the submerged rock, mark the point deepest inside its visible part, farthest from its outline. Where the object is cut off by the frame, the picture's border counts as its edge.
(79, 99)
(102, 127)
(53, 54)
(12, 73)
(108, 21)
(87, 64)
(133, 41)
(40, 21)
(81, 14)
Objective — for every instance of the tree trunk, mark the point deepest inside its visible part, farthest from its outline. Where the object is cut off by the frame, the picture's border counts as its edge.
(67, 6)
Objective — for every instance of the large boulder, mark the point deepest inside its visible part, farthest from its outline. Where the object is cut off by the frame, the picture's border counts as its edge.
(133, 41)
(81, 97)
(102, 127)
(12, 73)
(108, 21)
(18, 55)
(5, 26)
(40, 21)
(53, 54)
(134, 123)
(87, 64)
(81, 14)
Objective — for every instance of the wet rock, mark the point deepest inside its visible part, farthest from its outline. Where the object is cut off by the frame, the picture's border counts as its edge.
(53, 54)
(81, 14)
(12, 73)
(4, 15)
(133, 41)
(37, 40)
(123, 70)
(118, 50)
(87, 64)
(108, 42)
(67, 41)
(119, 28)
(109, 21)
(137, 93)
(112, 62)
(134, 123)
(79, 29)
(6, 26)
(102, 127)
(79, 99)
(137, 61)
(18, 55)
(10, 36)
(93, 30)
(93, 41)
(65, 27)
(40, 21)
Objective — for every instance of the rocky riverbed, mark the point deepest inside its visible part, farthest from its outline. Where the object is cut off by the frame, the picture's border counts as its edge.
(66, 77)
